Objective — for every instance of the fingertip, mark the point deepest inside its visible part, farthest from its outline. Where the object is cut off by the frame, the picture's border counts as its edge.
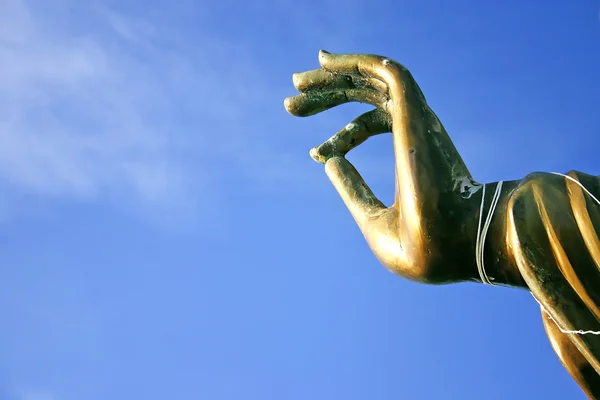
(323, 56)
(333, 168)
(287, 103)
(314, 154)
(297, 80)
(297, 106)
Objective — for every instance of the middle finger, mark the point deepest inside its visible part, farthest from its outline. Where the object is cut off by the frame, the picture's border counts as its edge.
(321, 79)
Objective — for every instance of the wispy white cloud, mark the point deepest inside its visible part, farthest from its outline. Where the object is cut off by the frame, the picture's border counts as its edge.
(80, 116)
(124, 111)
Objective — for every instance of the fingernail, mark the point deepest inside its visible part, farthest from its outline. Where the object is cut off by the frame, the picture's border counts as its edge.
(316, 156)
(323, 53)
(296, 80)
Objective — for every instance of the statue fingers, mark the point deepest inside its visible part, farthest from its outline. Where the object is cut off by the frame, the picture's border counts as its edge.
(352, 135)
(324, 80)
(315, 102)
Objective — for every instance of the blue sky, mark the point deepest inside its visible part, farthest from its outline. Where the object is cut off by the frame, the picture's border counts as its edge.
(165, 234)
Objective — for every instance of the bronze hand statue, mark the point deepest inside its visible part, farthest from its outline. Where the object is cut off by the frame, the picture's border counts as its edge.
(539, 233)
